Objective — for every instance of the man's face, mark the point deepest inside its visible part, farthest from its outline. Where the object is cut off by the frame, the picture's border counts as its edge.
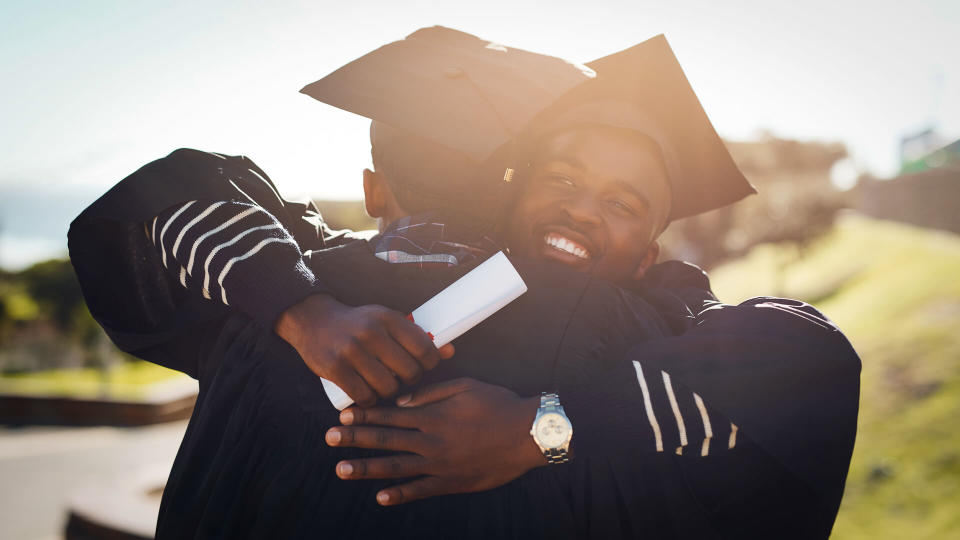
(596, 200)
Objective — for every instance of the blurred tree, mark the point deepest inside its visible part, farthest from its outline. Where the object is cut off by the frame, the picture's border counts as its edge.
(796, 202)
(54, 286)
(44, 322)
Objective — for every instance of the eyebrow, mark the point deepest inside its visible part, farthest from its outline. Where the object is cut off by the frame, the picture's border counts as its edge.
(559, 158)
(627, 186)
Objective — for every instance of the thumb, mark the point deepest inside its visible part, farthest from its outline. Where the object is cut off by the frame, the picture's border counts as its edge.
(433, 393)
(446, 352)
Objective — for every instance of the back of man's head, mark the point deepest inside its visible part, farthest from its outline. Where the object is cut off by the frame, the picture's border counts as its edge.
(416, 169)
(424, 175)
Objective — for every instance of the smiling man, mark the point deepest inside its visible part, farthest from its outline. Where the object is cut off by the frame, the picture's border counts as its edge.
(596, 200)
(686, 421)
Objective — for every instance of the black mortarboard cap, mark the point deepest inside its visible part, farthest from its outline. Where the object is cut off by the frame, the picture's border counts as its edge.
(470, 96)
(644, 89)
(475, 98)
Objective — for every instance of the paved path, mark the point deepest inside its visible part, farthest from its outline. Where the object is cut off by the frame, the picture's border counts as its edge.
(41, 467)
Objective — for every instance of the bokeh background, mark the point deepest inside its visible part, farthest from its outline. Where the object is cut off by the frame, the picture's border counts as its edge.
(844, 115)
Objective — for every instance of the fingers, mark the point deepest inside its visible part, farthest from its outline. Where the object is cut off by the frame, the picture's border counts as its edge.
(434, 393)
(382, 416)
(364, 350)
(395, 357)
(351, 383)
(373, 372)
(404, 466)
(381, 438)
(412, 338)
(421, 488)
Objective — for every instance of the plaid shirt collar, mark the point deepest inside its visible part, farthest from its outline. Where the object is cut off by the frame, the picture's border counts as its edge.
(430, 239)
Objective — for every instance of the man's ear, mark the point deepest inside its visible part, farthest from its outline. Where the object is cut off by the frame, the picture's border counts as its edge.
(374, 193)
(649, 258)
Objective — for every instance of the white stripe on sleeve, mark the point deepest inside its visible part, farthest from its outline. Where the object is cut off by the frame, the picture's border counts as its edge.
(676, 410)
(166, 226)
(733, 436)
(229, 222)
(253, 251)
(183, 231)
(707, 430)
(652, 418)
(213, 253)
(244, 193)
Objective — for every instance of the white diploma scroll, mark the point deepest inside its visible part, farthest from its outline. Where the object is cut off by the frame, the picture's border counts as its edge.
(464, 304)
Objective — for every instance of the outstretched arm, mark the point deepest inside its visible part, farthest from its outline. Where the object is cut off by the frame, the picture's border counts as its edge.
(774, 371)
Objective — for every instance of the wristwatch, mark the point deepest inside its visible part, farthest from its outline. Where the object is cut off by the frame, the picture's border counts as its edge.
(552, 429)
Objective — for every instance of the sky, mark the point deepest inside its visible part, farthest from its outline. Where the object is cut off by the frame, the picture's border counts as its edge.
(92, 90)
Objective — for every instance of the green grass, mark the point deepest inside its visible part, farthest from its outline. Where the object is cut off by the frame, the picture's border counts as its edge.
(124, 381)
(895, 292)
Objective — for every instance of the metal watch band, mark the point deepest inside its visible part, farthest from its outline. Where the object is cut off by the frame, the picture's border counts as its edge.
(549, 400)
(554, 456)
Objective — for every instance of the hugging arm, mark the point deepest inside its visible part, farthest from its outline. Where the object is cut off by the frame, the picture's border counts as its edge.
(465, 435)
(125, 283)
(237, 254)
(771, 383)
(216, 247)
(193, 237)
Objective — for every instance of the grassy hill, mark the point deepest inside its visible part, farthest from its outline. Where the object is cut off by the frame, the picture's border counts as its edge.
(895, 291)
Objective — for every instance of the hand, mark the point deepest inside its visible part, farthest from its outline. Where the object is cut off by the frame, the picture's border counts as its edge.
(361, 349)
(461, 435)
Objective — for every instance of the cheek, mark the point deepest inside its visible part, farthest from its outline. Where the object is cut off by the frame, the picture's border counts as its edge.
(530, 204)
(536, 198)
(627, 246)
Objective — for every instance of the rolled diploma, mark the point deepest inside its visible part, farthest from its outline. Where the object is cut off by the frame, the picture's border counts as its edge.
(464, 304)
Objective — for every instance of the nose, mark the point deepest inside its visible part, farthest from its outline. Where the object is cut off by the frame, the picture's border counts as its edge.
(582, 210)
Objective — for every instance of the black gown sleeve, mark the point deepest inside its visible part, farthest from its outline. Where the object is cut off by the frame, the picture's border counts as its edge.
(626, 406)
(139, 302)
(775, 375)
(236, 254)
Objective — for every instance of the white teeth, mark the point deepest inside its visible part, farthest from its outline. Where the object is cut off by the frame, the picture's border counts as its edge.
(566, 245)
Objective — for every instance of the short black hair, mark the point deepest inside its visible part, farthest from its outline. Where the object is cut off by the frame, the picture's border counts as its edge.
(423, 174)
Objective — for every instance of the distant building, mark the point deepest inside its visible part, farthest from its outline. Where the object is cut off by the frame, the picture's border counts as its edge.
(916, 147)
(928, 195)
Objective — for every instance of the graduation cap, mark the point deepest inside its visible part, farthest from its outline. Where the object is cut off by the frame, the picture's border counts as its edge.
(447, 105)
(450, 108)
(644, 89)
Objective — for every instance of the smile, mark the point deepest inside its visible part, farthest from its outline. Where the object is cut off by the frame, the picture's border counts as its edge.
(566, 245)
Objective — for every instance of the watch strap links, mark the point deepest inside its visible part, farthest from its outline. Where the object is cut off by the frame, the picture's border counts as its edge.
(551, 402)
(556, 455)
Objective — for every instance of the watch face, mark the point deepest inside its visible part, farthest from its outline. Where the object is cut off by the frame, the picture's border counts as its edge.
(552, 430)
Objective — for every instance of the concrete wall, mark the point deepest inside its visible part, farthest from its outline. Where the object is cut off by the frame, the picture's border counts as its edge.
(928, 199)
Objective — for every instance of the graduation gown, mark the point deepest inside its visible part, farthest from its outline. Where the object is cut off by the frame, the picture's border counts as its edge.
(253, 462)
